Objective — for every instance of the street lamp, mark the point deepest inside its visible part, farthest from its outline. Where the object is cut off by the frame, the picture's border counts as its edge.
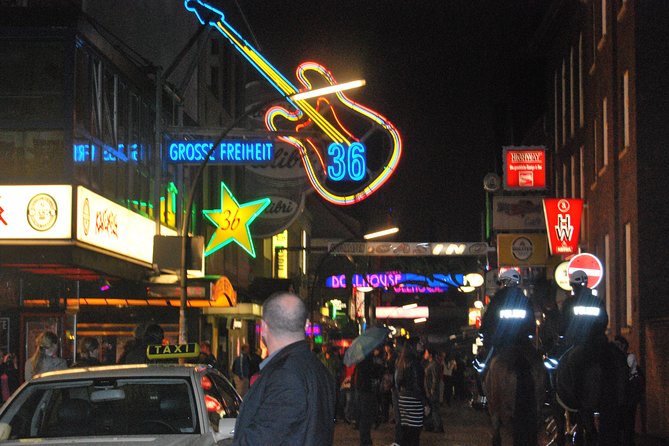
(185, 221)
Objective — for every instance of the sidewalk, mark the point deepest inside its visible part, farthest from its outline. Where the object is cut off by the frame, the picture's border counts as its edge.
(463, 426)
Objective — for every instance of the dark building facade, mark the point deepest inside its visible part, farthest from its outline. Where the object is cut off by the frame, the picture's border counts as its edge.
(605, 125)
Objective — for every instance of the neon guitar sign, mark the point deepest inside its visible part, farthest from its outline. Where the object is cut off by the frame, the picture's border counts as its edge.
(346, 152)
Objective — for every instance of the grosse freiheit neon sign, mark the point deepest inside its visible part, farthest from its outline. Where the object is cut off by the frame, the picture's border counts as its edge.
(345, 157)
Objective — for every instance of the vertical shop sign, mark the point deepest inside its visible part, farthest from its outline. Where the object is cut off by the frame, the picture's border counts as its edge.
(563, 224)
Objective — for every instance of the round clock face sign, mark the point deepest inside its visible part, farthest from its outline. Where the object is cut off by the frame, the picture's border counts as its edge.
(42, 212)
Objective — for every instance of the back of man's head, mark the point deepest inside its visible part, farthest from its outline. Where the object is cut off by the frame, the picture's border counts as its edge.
(285, 313)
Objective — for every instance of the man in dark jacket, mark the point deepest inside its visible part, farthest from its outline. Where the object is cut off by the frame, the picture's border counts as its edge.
(292, 402)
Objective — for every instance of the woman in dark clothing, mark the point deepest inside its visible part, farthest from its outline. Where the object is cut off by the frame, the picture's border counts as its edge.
(409, 377)
(365, 383)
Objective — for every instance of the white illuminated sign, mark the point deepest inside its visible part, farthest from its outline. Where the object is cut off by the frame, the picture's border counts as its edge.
(402, 312)
(36, 212)
(105, 224)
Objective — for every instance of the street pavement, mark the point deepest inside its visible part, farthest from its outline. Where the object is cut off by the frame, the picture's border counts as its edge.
(463, 426)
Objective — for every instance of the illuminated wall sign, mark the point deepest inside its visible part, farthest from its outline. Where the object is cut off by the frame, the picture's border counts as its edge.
(232, 222)
(522, 249)
(399, 282)
(524, 168)
(394, 249)
(401, 312)
(36, 212)
(228, 152)
(280, 240)
(84, 153)
(563, 224)
(105, 224)
(345, 148)
(517, 213)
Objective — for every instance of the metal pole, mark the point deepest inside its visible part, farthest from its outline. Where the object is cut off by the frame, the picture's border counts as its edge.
(185, 221)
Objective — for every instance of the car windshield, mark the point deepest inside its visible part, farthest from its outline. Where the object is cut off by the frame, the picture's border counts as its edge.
(103, 407)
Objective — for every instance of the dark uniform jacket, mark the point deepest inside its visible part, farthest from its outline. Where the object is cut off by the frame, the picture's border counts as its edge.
(501, 329)
(584, 318)
(292, 402)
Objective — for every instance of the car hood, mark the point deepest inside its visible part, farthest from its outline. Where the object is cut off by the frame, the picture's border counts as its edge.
(146, 440)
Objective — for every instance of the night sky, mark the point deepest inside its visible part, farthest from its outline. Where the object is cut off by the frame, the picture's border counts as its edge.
(439, 70)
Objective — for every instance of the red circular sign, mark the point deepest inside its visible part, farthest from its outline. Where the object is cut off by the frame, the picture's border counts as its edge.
(588, 264)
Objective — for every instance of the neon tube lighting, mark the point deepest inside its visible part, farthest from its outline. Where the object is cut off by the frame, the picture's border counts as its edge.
(381, 233)
(328, 90)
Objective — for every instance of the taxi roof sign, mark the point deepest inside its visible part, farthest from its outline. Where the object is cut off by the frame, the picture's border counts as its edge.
(191, 350)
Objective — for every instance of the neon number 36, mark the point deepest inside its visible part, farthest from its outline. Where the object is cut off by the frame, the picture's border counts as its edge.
(347, 162)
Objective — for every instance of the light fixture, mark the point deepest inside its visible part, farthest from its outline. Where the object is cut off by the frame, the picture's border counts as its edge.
(420, 320)
(104, 285)
(328, 90)
(478, 304)
(381, 233)
(474, 279)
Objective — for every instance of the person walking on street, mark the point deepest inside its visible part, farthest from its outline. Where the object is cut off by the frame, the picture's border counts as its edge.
(365, 384)
(46, 356)
(433, 374)
(241, 370)
(205, 356)
(89, 350)
(292, 401)
(409, 379)
(449, 380)
(634, 391)
(153, 334)
(9, 376)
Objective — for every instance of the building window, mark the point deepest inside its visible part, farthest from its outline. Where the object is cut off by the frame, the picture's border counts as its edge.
(564, 102)
(596, 158)
(303, 252)
(572, 122)
(565, 180)
(607, 272)
(573, 176)
(581, 105)
(628, 274)
(214, 48)
(604, 25)
(605, 133)
(626, 109)
(555, 111)
(581, 172)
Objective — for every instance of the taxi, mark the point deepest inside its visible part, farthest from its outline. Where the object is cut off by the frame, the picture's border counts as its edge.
(161, 404)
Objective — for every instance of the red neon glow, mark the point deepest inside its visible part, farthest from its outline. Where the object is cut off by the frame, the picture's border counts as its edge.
(205, 382)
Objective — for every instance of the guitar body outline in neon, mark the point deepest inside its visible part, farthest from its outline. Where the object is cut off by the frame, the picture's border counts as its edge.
(345, 148)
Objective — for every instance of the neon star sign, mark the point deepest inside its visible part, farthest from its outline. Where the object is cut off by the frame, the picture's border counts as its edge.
(344, 159)
(232, 222)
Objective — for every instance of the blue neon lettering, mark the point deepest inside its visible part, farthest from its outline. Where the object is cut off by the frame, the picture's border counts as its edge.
(346, 163)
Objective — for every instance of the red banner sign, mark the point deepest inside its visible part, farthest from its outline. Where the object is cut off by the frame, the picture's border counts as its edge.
(563, 224)
(524, 168)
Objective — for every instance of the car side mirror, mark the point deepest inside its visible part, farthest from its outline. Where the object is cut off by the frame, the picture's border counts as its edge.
(226, 429)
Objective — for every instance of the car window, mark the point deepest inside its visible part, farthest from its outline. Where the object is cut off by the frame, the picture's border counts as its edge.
(103, 407)
(221, 400)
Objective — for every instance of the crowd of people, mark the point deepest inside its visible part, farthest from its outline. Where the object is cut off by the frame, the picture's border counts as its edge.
(402, 383)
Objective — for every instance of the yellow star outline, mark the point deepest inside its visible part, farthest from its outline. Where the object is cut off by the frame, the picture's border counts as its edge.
(232, 222)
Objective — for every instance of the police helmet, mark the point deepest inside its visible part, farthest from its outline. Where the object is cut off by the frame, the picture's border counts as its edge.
(510, 277)
(578, 279)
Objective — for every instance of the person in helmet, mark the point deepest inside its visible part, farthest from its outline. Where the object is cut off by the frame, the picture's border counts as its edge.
(583, 316)
(509, 318)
